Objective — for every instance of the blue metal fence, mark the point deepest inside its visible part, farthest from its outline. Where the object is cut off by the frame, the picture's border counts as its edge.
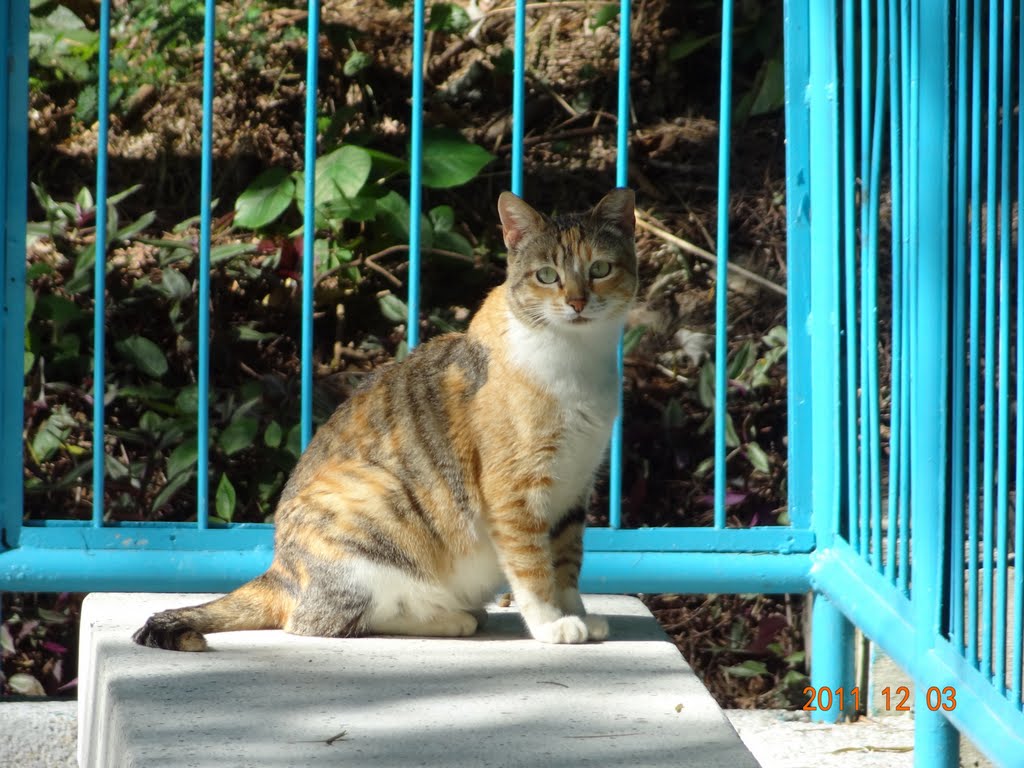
(896, 345)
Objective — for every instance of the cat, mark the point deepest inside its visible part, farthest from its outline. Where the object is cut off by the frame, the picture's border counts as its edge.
(468, 464)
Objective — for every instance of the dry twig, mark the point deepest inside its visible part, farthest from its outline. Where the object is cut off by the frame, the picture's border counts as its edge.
(644, 219)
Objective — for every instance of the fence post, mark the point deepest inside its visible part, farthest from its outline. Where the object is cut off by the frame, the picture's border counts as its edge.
(798, 257)
(831, 632)
(936, 741)
(14, 173)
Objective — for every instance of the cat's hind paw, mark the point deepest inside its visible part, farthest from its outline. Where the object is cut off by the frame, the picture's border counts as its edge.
(597, 627)
(566, 629)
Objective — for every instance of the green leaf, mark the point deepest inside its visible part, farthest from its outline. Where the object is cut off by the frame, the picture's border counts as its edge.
(224, 501)
(59, 310)
(174, 285)
(741, 359)
(228, 251)
(183, 458)
(51, 435)
(293, 443)
(265, 199)
(167, 493)
(450, 160)
(356, 63)
(393, 216)
(393, 308)
(247, 333)
(26, 685)
(776, 337)
(442, 218)
(123, 194)
(770, 93)
(151, 422)
(706, 385)
(344, 170)
(115, 468)
(453, 241)
(187, 400)
(144, 355)
(632, 337)
(448, 17)
(794, 678)
(797, 657)
(757, 457)
(385, 164)
(52, 617)
(130, 230)
(273, 434)
(604, 15)
(731, 439)
(688, 45)
(6, 640)
(30, 303)
(238, 435)
(749, 668)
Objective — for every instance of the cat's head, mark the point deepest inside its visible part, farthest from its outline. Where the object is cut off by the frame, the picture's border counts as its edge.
(570, 272)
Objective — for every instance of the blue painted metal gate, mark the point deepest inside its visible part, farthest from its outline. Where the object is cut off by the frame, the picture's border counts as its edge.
(903, 373)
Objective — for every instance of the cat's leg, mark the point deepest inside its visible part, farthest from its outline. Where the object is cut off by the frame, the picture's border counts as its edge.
(523, 543)
(567, 555)
(446, 624)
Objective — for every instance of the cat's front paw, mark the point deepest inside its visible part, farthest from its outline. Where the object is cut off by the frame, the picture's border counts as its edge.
(597, 627)
(566, 629)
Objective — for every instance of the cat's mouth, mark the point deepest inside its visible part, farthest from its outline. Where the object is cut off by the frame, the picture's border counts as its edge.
(579, 320)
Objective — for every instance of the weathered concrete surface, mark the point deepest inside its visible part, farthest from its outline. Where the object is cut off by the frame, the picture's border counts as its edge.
(497, 699)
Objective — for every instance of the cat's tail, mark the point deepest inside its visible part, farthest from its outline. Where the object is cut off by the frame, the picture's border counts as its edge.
(263, 603)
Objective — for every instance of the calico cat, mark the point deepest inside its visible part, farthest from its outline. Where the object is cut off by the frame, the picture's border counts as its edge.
(468, 464)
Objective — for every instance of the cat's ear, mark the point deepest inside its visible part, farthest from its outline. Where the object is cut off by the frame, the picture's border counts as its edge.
(616, 208)
(517, 219)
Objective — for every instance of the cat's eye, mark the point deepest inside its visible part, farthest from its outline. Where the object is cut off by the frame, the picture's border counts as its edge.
(600, 268)
(547, 275)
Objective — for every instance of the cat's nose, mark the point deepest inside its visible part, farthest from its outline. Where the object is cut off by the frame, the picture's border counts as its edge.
(577, 303)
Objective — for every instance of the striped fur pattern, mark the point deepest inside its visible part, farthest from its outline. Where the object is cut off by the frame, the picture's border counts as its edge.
(466, 466)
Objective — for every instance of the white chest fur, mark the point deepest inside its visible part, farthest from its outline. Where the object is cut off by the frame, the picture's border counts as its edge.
(577, 367)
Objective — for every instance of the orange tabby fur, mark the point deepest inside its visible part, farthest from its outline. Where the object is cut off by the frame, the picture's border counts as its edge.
(469, 464)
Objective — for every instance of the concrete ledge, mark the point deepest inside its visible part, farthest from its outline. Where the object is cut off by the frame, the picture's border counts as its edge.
(497, 699)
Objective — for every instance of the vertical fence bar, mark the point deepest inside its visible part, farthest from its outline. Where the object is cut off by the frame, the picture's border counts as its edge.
(100, 270)
(13, 173)
(621, 180)
(991, 259)
(1003, 416)
(518, 96)
(831, 633)
(857, 523)
(416, 163)
(869, 307)
(936, 742)
(849, 197)
(959, 334)
(309, 221)
(896, 432)
(908, 206)
(974, 313)
(1017, 672)
(722, 267)
(798, 249)
(203, 305)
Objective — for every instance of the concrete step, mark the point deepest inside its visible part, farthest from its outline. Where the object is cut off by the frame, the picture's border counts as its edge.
(496, 699)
